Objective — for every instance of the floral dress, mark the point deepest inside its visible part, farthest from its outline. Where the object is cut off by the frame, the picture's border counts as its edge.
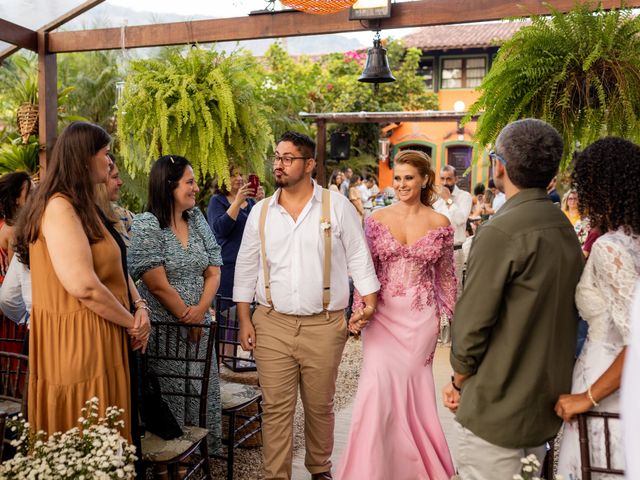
(395, 432)
(603, 298)
(152, 247)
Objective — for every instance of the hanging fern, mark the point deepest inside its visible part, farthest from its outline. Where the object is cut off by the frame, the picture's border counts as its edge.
(202, 105)
(578, 71)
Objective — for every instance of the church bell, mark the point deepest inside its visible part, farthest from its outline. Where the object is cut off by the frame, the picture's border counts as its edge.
(377, 70)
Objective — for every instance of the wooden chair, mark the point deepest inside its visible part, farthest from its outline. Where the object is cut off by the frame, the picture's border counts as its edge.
(12, 335)
(227, 337)
(14, 380)
(3, 420)
(585, 454)
(169, 342)
(241, 403)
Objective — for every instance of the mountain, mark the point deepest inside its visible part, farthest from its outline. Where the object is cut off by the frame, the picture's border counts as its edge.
(104, 16)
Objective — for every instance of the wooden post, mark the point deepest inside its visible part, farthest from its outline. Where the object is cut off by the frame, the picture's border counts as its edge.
(321, 153)
(47, 100)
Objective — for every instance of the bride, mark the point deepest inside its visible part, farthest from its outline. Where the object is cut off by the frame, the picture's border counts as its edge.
(395, 432)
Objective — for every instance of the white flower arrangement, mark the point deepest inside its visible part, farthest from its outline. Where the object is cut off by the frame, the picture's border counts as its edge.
(530, 467)
(325, 224)
(94, 450)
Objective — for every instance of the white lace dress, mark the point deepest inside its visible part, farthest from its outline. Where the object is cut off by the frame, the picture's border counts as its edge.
(603, 297)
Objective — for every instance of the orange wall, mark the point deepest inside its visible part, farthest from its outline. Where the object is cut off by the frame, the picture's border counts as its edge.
(439, 136)
(446, 98)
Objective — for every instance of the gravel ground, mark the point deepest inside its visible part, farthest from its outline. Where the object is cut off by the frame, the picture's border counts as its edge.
(248, 461)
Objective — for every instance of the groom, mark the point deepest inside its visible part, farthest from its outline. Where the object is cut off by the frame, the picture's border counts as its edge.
(297, 248)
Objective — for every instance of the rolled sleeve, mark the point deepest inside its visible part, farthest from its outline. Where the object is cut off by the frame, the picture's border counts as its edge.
(248, 260)
(477, 309)
(359, 262)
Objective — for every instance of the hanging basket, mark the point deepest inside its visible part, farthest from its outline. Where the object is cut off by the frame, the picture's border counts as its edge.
(27, 120)
(318, 7)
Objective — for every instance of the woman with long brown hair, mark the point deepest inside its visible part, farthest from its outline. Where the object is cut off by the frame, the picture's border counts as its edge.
(81, 292)
(395, 432)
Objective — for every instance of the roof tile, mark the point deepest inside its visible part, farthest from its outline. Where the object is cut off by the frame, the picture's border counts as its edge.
(446, 37)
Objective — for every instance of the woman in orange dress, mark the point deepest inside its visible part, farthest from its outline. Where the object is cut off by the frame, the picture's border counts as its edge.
(78, 345)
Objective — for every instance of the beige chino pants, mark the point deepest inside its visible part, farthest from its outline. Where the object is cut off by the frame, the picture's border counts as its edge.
(478, 459)
(297, 351)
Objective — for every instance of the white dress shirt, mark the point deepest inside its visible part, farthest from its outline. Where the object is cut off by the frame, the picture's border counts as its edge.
(630, 394)
(295, 256)
(365, 193)
(457, 213)
(498, 201)
(15, 293)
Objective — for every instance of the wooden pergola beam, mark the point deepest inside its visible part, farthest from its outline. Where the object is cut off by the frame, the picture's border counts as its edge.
(18, 35)
(293, 23)
(47, 100)
(57, 23)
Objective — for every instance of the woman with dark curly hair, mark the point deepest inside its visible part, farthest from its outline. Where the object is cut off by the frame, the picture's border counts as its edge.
(607, 179)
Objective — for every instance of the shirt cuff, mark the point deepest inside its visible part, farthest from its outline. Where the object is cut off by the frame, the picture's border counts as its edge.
(367, 285)
(243, 294)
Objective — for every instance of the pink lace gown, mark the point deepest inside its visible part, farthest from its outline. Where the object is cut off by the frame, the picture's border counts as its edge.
(395, 431)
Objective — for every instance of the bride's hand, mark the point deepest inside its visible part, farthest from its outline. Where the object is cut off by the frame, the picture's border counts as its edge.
(360, 318)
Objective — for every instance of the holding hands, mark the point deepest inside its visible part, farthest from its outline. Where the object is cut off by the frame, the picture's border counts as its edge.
(360, 318)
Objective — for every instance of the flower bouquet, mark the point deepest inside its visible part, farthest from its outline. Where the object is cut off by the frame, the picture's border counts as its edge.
(93, 450)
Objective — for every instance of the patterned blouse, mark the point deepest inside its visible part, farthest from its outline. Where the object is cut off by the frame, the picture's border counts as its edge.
(151, 247)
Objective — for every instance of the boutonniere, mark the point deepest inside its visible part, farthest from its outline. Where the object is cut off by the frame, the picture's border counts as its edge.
(325, 225)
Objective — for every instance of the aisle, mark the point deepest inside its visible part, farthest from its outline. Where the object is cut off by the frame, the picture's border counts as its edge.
(442, 374)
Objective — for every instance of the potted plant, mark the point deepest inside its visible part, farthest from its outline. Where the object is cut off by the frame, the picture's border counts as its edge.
(578, 71)
(202, 104)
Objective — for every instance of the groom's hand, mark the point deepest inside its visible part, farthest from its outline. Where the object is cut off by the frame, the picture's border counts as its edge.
(247, 336)
(451, 397)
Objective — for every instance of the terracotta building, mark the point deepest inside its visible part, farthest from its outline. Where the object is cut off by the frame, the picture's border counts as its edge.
(455, 60)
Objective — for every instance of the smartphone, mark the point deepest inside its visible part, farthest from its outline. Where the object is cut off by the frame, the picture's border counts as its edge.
(254, 182)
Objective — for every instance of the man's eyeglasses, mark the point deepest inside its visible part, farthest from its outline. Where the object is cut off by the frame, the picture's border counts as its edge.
(494, 156)
(286, 160)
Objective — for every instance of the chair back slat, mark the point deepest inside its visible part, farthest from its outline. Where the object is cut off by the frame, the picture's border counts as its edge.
(585, 453)
(170, 341)
(227, 336)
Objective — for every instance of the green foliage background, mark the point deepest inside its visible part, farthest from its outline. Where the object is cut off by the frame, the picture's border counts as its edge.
(202, 105)
(212, 107)
(578, 71)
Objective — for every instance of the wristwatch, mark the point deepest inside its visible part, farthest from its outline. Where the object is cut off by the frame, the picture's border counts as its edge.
(449, 201)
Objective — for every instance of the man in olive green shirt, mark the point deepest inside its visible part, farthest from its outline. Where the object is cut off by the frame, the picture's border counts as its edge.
(514, 330)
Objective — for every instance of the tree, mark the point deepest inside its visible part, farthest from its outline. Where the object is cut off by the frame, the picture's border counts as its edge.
(578, 71)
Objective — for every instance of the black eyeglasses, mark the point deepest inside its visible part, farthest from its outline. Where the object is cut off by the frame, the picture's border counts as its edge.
(287, 160)
(493, 155)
